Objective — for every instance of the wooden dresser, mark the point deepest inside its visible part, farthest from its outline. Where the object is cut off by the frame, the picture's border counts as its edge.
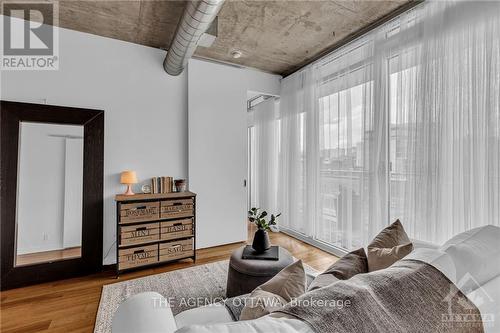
(154, 229)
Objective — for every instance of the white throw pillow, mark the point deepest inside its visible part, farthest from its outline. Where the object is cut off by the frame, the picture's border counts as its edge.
(476, 254)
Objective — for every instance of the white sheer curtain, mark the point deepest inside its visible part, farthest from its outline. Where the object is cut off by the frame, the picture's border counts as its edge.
(333, 166)
(264, 155)
(298, 167)
(353, 190)
(445, 124)
(402, 123)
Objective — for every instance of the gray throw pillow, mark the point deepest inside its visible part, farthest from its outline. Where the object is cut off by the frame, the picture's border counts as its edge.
(389, 246)
(288, 284)
(353, 263)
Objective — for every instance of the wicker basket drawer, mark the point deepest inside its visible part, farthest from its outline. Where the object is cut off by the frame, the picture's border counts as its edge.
(176, 229)
(139, 234)
(176, 249)
(138, 256)
(139, 212)
(177, 208)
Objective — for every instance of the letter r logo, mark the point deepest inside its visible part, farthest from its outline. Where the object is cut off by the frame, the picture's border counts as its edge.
(28, 29)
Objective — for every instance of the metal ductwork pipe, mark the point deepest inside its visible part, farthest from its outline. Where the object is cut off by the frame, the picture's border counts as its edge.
(196, 19)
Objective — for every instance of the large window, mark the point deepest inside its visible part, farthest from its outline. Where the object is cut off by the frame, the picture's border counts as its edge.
(401, 142)
(403, 123)
(341, 139)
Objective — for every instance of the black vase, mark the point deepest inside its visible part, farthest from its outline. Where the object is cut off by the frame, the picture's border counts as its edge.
(261, 241)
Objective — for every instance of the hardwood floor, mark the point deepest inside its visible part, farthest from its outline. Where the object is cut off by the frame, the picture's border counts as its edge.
(71, 305)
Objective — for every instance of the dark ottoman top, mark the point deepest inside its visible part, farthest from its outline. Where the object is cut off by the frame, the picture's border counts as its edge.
(260, 267)
(244, 275)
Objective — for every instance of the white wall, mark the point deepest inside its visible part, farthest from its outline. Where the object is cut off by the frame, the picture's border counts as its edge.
(218, 147)
(145, 109)
(41, 186)
(146, 127)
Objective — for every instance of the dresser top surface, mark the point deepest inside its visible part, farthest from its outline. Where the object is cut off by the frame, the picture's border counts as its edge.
(156, 196)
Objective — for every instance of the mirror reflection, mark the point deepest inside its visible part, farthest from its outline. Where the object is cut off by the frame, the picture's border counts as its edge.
(49, 193)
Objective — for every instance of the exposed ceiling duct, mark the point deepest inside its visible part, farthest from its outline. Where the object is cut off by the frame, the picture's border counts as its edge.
(195, 21)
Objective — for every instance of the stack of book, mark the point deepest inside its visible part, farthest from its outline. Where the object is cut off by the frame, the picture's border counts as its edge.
(162, 185)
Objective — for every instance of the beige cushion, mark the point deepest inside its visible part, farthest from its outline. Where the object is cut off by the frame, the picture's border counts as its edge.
(353, 263)
(288, 284)
(390, 245)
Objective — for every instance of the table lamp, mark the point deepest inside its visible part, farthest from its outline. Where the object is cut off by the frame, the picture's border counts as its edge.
(128, 178)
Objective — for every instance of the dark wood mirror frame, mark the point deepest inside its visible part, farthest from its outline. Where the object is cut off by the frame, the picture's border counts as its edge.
(12, 113)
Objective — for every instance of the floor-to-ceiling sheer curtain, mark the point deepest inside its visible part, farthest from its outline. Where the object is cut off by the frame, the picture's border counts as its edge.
(402, 123)
(263, 124)
(298, 167)
(445, 119)
(333, 164)
(352, 190)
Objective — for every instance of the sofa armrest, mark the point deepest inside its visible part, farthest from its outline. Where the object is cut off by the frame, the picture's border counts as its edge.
(146, 313)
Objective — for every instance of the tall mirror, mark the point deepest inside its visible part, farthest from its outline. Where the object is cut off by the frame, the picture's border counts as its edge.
(49, 193)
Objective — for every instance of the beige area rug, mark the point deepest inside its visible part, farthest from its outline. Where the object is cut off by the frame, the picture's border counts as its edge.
(204, 282)
(198, 284)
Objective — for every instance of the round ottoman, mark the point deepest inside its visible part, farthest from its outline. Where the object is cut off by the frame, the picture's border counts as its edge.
(245, 275)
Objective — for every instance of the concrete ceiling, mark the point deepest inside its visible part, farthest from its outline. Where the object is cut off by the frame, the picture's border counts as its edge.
(274, 36)
(281, 36)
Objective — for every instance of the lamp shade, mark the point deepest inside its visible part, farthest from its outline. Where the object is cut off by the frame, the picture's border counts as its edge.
(128, 177)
